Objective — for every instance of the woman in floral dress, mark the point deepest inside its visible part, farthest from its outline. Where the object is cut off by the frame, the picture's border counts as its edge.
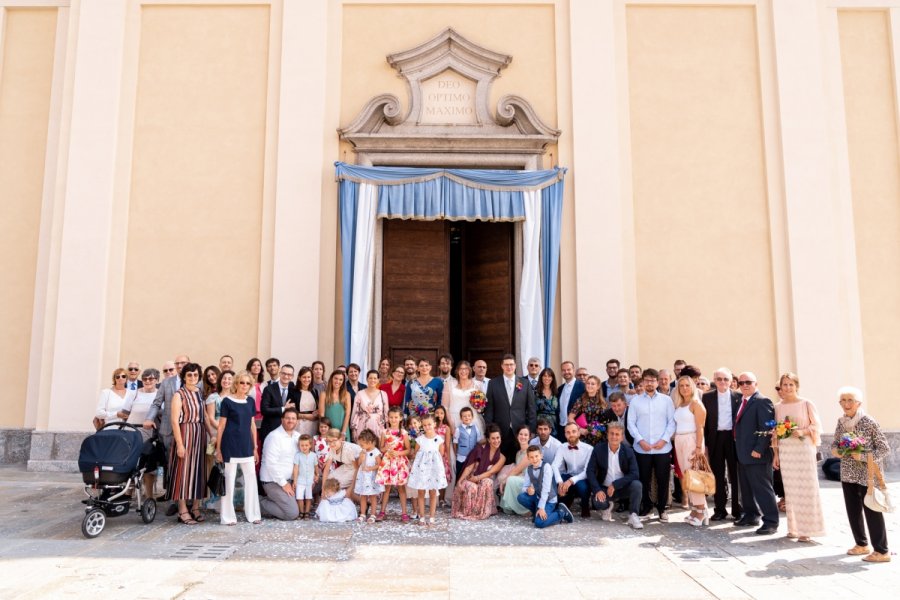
(423, 394)
(590, 406)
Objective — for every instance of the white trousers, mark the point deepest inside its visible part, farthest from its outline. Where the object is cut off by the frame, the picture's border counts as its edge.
(251, 497)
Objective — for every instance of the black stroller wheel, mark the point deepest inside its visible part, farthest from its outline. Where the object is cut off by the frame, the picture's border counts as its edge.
(93, 523)
(148, 510)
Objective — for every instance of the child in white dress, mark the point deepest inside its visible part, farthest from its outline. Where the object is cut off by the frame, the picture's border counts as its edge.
(335, 507)
(367, 487)
(428, 469)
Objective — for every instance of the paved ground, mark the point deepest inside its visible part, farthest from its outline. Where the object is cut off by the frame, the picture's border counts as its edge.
(43, 555)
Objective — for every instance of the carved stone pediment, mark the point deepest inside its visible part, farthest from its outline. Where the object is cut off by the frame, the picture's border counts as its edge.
(449, 80)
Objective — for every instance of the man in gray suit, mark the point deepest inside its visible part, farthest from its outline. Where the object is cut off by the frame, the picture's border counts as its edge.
(510, 404)
(159, 415)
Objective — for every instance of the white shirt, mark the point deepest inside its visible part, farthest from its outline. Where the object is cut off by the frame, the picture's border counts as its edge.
(564, 401)
(510, 386)
(725, 420)
(572, 462)
(278, 456)
(614, 471)
(548, 451)
(111, 403)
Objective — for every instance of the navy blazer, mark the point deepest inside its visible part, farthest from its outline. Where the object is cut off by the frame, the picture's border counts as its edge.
(577, 392)
(759, 411)
(598, 465)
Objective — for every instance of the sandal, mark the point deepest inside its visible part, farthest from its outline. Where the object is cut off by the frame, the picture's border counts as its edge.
(198, 516)
(188, 521)
(371, 519)
(404, 518)
(380, 517)
(361, 519)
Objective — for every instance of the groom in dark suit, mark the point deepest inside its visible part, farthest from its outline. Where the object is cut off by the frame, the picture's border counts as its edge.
(755, 457)
(510, 404)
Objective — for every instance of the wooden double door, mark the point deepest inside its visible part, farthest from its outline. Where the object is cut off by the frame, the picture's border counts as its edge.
(448, 287)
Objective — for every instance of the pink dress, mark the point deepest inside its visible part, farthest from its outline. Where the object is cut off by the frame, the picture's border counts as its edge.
(393, 471)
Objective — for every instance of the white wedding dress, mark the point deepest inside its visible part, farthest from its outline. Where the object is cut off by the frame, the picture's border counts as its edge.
(459, 398)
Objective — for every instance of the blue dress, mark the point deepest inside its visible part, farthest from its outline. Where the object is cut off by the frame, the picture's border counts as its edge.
(418, 398)
(236, 439)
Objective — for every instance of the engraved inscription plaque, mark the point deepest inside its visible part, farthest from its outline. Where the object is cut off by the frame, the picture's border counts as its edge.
(448, 98)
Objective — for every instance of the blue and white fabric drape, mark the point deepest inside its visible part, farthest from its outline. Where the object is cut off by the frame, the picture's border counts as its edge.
(533, 197)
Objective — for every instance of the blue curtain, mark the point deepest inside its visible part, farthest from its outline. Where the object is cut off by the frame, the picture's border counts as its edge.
(454, 194)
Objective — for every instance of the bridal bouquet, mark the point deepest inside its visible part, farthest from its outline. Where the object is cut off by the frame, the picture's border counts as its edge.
(597, 429)
(478, 400)
(420, 407)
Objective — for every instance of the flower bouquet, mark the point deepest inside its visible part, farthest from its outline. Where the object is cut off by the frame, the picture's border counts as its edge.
(596, 429)
(478, 401)
(780, 429)
(851, 445)
(420, 406)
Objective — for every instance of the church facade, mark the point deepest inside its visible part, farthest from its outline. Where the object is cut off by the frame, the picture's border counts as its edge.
(730, 186)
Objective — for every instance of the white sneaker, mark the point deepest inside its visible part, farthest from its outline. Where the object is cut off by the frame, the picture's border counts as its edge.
(606, 514)
(664, 516)
(635, 521)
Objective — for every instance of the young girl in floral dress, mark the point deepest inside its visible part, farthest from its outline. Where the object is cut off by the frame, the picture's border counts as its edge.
(445, 432)
(395, 463)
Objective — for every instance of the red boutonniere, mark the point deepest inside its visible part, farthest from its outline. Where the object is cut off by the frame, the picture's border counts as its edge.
(518, 385)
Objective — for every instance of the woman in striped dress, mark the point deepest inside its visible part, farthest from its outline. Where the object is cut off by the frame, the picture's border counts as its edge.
(187, 475)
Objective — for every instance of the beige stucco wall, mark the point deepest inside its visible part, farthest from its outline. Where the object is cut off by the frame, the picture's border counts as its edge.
(874, 152)
(27, 45)
(195, 212)
(704, 276)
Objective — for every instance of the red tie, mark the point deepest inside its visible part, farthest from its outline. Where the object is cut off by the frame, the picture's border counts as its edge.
(738, 418)
(571, 447)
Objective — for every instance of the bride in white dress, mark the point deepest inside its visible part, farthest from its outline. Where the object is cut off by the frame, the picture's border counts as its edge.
(456, 396)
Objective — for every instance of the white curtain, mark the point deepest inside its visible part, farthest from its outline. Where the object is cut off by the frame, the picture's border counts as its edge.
(363, 275)
(531, 319)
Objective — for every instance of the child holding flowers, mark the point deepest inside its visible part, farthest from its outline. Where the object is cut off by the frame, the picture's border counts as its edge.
(394, 469)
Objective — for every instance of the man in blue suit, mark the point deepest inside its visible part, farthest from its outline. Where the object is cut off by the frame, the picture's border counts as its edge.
(613, 475)
(570, 390)
(754, 453)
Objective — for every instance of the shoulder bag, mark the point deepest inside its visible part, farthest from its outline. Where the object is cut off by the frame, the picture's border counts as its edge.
(699, 478)
(877, 497)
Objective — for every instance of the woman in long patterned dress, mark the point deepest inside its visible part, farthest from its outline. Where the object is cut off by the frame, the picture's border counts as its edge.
(187, 471)
(308, 404)
(473, 498)
(796, 458)
(510, 479)
(370, 408)
(591, 406)
(423, 394)
(546, 398)
(335, 404)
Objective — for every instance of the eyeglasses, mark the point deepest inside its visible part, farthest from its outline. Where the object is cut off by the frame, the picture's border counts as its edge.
(722, 379)
(244, 383)
(192, 374)
(151, 378)
(180, 364)
(121, 376)
(746, 382)
(134, 369)
(169, 370)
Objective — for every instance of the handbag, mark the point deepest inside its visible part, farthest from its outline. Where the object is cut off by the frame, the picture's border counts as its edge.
(216, 481)
(877, 497)
(699, 478)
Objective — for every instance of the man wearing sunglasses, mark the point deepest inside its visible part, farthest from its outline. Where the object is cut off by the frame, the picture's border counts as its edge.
(722, 405)
(133, 382)
(754, 453)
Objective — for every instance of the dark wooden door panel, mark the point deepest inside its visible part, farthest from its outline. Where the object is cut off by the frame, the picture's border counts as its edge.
(415, 289)
(488, 322)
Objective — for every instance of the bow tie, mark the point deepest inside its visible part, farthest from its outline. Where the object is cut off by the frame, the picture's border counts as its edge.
(571, 447)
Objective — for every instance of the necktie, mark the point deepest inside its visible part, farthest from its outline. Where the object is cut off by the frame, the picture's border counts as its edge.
(533, 384)
(509, 388)
(571, 447)
(738, 418)
(283, 395)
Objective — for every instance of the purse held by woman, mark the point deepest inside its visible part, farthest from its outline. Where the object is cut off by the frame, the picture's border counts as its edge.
(699, 478)
(877, 497)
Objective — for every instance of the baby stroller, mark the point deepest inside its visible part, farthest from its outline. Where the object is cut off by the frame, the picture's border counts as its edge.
(112, 464)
